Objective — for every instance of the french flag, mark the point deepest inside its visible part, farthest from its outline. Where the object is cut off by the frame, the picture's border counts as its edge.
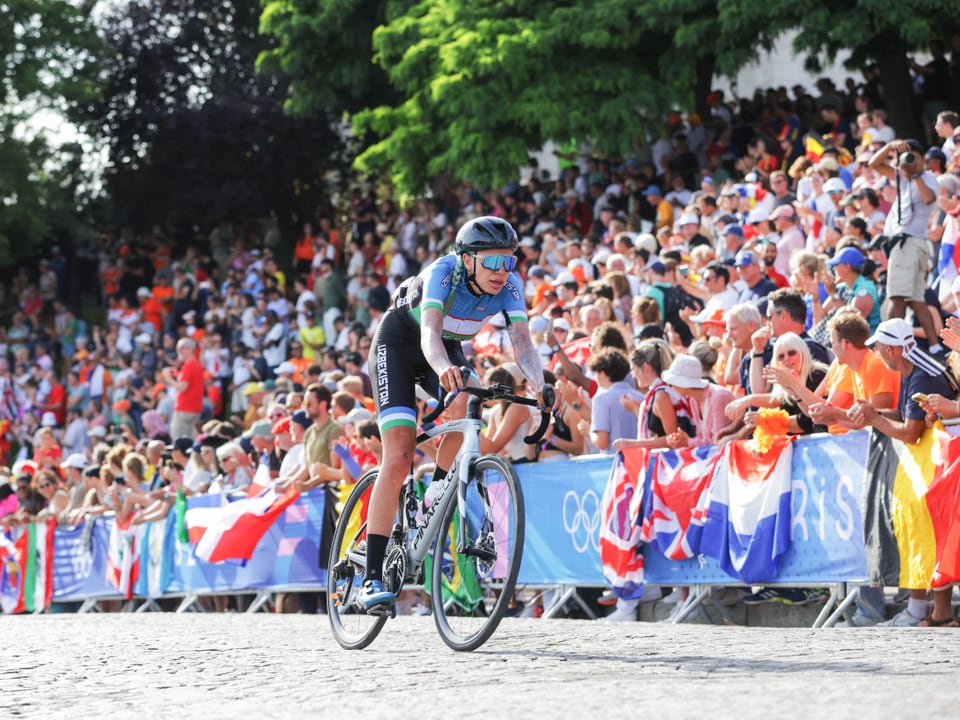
(676, 505)
(948, 265)
(231, 532)
(747, 528)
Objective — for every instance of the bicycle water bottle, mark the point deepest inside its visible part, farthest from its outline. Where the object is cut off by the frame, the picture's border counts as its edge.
(433, 491)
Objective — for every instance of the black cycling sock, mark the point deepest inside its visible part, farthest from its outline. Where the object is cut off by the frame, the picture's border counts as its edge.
(376, 549)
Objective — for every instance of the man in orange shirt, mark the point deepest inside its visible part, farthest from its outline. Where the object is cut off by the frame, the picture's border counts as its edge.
(870, 378)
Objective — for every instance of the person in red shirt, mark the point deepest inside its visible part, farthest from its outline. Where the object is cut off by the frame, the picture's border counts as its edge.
(189, 385)
(152, 309)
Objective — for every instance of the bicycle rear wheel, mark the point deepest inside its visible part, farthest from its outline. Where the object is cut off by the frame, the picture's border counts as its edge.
(353, 628)
(471, 589)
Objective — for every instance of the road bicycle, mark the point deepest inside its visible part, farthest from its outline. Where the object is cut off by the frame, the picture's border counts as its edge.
(465, 546)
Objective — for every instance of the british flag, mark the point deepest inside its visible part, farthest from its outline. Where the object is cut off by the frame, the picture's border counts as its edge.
(620, 531)
(676, 505)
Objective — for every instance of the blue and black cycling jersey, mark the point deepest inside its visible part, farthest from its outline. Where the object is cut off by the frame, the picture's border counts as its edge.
(465, 313)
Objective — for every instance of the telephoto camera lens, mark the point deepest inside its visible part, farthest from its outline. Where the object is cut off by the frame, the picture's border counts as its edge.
(908, 158)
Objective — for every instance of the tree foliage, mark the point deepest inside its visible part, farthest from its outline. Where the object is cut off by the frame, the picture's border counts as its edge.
(50, 58)
(195, 134)
(326, 48)
(482, 83)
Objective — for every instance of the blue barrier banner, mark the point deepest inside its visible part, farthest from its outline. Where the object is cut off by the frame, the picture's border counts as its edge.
(827, 533)
(563, 519)
(80, 561)
(562, 539)
(287, 555)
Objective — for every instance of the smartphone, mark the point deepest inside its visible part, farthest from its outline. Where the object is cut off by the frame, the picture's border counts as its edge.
(919, 397)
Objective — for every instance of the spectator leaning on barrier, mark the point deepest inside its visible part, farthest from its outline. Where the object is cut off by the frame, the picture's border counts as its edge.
(921, 376)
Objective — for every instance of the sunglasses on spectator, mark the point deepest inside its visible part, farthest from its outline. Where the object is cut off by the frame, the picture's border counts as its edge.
(44, 486)
(495, 262)
(788, 353)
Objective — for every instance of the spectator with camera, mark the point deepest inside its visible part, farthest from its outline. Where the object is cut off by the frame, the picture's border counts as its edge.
(906, 226)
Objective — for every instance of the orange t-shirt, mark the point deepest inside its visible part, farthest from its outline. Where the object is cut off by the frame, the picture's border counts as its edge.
(164, 296)
(875, 378)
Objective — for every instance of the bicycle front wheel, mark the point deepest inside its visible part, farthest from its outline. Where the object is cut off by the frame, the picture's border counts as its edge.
(477, 555)
(353, 628)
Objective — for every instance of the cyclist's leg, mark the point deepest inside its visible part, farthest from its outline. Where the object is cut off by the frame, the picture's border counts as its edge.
(395, 369)
(450, 443)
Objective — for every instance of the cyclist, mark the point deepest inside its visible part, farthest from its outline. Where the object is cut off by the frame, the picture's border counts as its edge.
(419, 341)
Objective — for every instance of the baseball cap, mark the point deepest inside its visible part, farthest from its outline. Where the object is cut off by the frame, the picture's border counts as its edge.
(656, 267)
(652, 190)
(301, 418)
(564, 277)
(756, 215)
(935, 153)
(746, 257)
(75, 460)
(561, 324)
(895, 331)
(734, 229)
(285, 367)
(784, 211)
(253, 387)
(261, 428)
(848, 256)
(538, 323)
(356, 415)
(528, 242)
(281, 426)
(183, 444)
(537, 272)
(834, 185)
(144, 338)
(689, 218)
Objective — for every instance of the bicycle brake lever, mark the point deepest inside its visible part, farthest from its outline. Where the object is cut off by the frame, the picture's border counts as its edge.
(549, 397)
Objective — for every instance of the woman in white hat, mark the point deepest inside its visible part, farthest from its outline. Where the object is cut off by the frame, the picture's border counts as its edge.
(705, 400)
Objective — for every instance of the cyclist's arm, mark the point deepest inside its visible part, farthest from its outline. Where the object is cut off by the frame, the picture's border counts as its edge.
(431, 343)
(526, 354)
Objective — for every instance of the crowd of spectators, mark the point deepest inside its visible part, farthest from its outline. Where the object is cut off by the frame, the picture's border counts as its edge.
(742, 261)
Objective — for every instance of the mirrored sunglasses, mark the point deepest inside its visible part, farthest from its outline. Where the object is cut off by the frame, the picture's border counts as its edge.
(495, 262)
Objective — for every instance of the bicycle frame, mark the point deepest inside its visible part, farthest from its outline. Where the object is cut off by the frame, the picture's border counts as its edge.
(429, 526)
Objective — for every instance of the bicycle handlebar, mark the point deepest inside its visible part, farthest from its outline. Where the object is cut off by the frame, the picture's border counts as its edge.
(499, 392)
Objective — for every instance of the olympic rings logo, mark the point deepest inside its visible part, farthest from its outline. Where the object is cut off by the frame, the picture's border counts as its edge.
(581, 520)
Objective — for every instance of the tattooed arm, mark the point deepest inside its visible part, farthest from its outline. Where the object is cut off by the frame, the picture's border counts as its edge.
(526, 354)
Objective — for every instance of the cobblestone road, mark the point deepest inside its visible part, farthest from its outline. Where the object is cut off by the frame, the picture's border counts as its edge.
(289, 666)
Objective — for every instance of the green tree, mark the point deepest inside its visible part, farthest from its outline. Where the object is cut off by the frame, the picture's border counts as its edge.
(480, 84)
(50, 57)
